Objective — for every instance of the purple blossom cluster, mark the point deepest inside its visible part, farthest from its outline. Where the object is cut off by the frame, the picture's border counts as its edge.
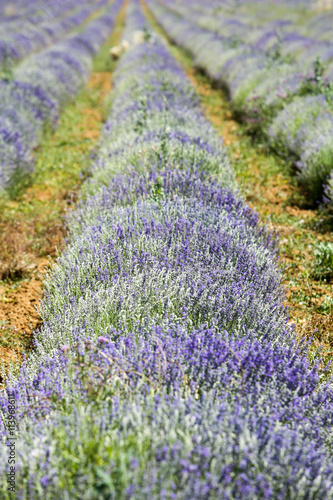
(40, 86)
(266, 70)
(165, 367)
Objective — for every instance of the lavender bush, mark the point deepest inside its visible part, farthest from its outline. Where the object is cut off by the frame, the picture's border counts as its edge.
(40, 86)
(165, 367)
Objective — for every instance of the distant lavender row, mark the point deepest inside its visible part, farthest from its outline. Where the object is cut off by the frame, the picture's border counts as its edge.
(300, 32)
(274, 96)
(41, 85)
(165, 368)
(23, 34)
(35, 10)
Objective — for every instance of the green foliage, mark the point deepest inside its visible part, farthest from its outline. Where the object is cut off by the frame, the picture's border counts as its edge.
(316, 84)
(233, 42)
(257, 116)
(6, 72)
(164, 150)
(274, 54)
(157, 191)
(323, 266)
(141, 122)
(326, 307)
(103, 61)
(147, 34)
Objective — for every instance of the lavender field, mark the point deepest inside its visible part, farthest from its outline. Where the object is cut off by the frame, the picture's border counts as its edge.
(166, 364)
(276, 62)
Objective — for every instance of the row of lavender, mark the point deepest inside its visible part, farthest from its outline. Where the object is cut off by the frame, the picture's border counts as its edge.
(301, 32)
(42, 83)
(291, 108)
(165, 368)
(216, 4)
(39, 25)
